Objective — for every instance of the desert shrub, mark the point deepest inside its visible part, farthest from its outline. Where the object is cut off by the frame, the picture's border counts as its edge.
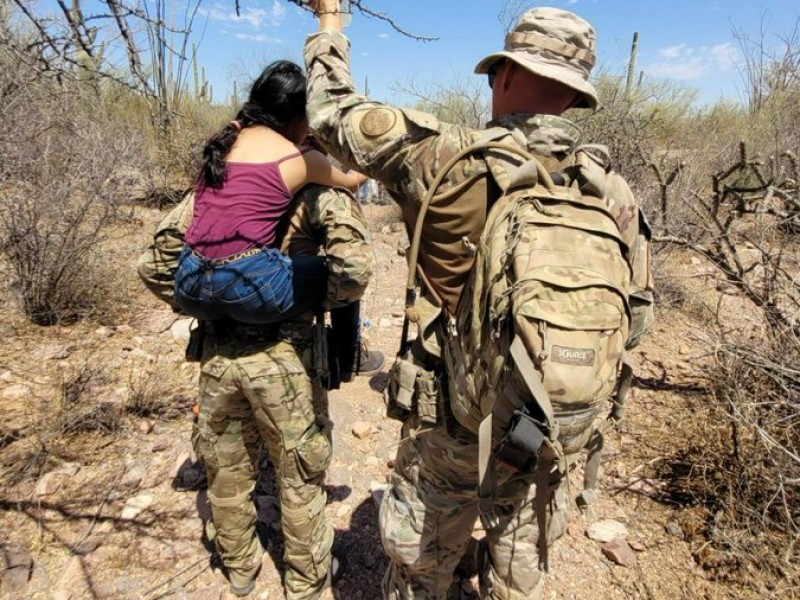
(78, 409)
(746, 471)
(150, 391)
(173, 160)
(64, 173)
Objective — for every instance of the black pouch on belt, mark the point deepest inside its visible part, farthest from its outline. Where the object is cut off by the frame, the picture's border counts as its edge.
(523, 442)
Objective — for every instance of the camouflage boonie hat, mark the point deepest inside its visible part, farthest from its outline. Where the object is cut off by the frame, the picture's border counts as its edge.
(555, 44)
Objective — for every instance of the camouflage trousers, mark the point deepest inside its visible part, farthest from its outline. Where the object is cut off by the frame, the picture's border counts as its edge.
(429, 514)
(252, 392)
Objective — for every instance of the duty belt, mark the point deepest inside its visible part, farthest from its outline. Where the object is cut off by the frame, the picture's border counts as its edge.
(233, 329)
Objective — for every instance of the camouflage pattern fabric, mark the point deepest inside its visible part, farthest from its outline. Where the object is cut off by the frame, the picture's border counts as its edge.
(255, 389)
(427, 519)
(429, 514)
(157, 264)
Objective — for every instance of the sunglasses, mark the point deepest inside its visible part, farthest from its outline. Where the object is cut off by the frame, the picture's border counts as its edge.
(492, 72)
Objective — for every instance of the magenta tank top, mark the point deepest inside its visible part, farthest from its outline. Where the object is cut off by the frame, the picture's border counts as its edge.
(242, 214)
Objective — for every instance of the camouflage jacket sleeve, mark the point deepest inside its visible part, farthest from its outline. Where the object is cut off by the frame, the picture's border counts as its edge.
(403, 149)
(636, 232)
(332, 219)
(157, 264)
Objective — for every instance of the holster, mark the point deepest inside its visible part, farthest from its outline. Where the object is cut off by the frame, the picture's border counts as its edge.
(321, 355)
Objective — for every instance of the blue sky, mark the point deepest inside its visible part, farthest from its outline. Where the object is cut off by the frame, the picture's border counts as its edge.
(689, 42)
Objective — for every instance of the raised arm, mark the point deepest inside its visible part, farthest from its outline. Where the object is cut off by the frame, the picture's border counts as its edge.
(382, 141)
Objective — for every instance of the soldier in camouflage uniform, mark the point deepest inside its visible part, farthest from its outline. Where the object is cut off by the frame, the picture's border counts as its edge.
(428, 516)
(256, 386)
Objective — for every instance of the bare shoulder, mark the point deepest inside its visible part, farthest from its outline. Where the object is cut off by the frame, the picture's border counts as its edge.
(259, 144)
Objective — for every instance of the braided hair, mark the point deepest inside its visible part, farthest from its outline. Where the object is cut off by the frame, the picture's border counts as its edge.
(277, 100)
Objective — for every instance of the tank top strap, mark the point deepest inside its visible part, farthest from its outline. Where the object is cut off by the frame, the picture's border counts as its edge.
(293, 155)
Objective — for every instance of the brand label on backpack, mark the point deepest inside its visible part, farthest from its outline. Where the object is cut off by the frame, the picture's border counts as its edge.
(581, 357)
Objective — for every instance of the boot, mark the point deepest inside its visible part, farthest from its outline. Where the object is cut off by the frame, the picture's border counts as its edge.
(367, 362)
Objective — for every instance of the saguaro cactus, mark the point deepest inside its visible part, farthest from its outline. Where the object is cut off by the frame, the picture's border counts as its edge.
(88, 53)
(632, 65)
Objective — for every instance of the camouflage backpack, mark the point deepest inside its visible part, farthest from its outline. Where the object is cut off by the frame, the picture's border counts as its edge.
(535, 349)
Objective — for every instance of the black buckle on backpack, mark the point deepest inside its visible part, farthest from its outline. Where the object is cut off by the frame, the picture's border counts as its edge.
(522, 444)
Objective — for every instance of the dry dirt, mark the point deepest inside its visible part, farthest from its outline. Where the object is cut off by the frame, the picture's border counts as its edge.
(63, 496)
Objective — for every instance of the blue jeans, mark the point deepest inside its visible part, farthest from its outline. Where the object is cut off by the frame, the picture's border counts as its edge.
(263, 288)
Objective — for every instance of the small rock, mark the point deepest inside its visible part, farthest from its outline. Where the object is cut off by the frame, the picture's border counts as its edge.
(146, 426)
(606, 530)
(15, 391)
(385, 230)
(390, 463)
(17, 574)
(70, 469)
(103, 332)
(182, 462)
(72, 583)
(215, 590)
(637, 545)
(342, 511)
(574, 529)
(48, 484)
(6, 377)
(397, 227)
(675, 530)
(619, 552)
(398, 314)
(134, 506)
(180, 329)
(160, 445)
(57, 352)
(377, 490)
(401, 250)
(87, 546)
(362, 429)
(133, 477)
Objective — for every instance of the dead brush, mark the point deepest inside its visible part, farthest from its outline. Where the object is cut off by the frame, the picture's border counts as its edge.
(741, 464)
(79, 411)
(755, 485)
(152, 392)
(148, 392)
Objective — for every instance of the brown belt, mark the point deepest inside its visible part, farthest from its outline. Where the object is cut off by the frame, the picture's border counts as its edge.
(216, 262)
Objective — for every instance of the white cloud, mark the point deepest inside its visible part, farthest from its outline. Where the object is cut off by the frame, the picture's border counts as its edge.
(257, 37)
(383, 36)
(254, 17)
(675, 51)
(685, 62)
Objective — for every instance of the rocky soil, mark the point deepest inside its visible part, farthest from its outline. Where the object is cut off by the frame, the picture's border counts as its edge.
(95, 434)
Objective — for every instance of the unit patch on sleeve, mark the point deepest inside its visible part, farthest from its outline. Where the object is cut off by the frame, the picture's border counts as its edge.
(378, 122)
